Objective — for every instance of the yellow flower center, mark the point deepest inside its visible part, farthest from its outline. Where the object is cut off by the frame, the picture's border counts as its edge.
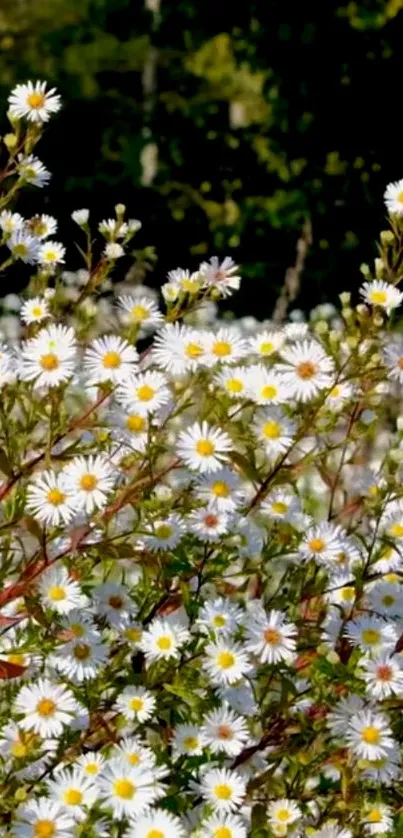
(205, 448)
(82, 652)
(55, 497)
(225, 660)
(396, 530)
(283, 815)
(139, 313)
(37, 311)
(279, 507)
(36, 100)
(44, 829)
(400, 198)
(388, 600)
(220, 489)
(164, 643)
(112, 360)
(164, 531)
(306, 370)
(272, 636)
(371, 636)
(18, 660)
(219, 621)
(49, 362)
(77, 629)
(335, 392)
(378, 297)
(56, 593)
(133, 634)
(124, 789)
(222, 832)
(222, 348)
(135, 423)
(271, 430)
(50, 256)
(190, 743)
(194, 350)
(316, 545)
(370, 735)
(269, 391)
(133, 759)
(375, 816)
(46, 707)
(19, 749)
(266, 348)
(145, 393)
(155, 833)
(136, 704)
(20, 249)
(348, 594)
(384, 673)
(91, 768)
(222, 791)
(234, 385)
(72, 797)
(88, 482)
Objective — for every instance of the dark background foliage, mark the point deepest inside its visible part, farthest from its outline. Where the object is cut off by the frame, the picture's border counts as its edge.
(222, 126)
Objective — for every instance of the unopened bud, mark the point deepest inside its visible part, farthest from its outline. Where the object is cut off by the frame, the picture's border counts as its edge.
(365, 269)
(362, 310)
(10, 140)
(345, 298)
(379, 268)
(120, 210)
(20, 795)
(387, 238)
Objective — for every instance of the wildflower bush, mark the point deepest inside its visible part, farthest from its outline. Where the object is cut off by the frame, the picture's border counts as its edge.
(201, 613)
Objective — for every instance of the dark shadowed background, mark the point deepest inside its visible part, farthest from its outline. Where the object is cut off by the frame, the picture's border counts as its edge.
(222, 126)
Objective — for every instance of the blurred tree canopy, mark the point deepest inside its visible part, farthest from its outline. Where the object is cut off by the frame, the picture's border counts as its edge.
(223, 127)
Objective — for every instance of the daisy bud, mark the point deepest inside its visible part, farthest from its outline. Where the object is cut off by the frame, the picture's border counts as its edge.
(120, 209)
(379, 268)
(10, 140)
(387, 237)
(365, 269)
(113, 251)
(345, 298)
(81, 217)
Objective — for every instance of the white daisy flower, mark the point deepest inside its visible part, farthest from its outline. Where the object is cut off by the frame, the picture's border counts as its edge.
(51, 253)
(125, 790)
(33, 101)
(130, 428)
(280, 505)
(31, 170)
(79, 659)
(80, 216)
(338, 718)
(109, 359)
(188, 739)
(43, 818)
(267, 343)
(222, 825)
(322, 542)
(203, 448)
(222, 276)
(49, 358)
(266, 386)
(73, 792)
(330, 830)
(23, 245)
(90, 765)
(222, 491)
(393, 197)
(59, 591)
(224, 790)
(166, 533)
(220, 617)
(34, 310)
(133, 752)
(271, 637)
(368, 735)
(307, 369)
(338, 396)
(156, 824)
(10, 221)
(179, 349)
(383, 675)
(209, 524)
(89, 480)
(163, 640)
(382, 294)
(393, 359)
(371, 634)
(234, 381)
(42, 226)
(144, 393)
(283, 812)
(224, 347)
(113, 250)
(46, 707)
(273, 428)
(48, 499)
(377, 818)
(136, 703)
(226, 662)
(140, 311)
(113, 602)
(224, 732)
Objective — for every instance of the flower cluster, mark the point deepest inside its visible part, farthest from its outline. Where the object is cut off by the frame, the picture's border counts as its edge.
(201, 607)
